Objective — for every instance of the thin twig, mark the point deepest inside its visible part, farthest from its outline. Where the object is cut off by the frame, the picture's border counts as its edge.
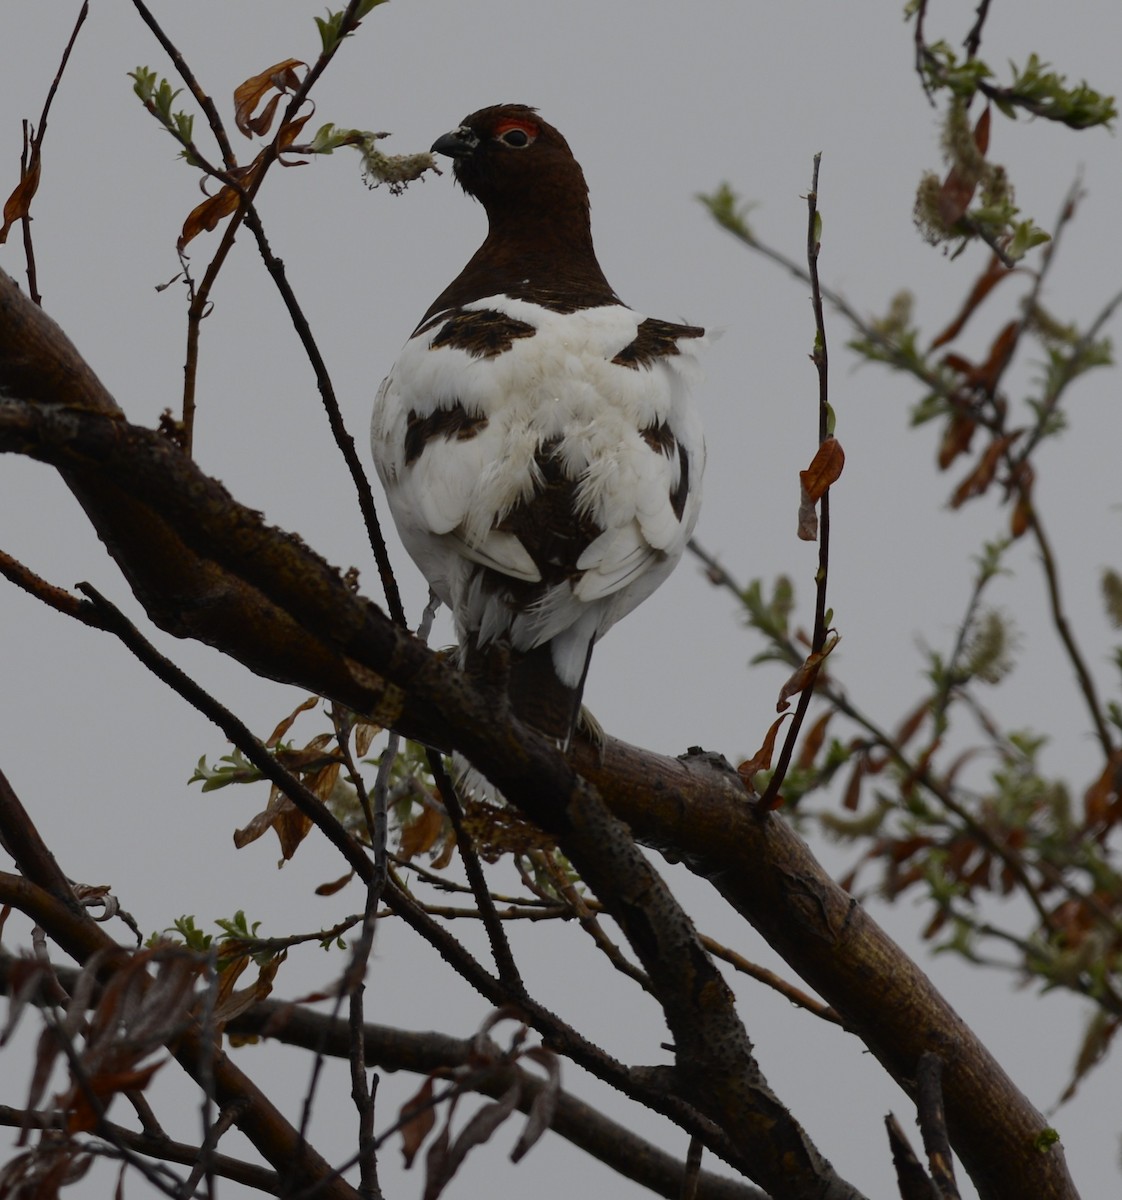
(1063, 629)
(496, 935)
(31, 161)
(248, 213)
(820, 358)
(585, 911)
(692, 1171)
(153, 1146)
(933, 1125)
(771, 979)
(974, 37)
(362, 1093)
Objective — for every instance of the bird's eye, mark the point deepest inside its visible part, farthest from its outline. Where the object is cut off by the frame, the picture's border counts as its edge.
(516, 137)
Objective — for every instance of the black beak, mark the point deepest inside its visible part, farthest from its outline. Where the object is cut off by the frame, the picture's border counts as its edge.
(459, 143)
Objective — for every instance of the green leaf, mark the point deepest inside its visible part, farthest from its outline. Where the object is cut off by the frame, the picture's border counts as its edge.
(729, 212)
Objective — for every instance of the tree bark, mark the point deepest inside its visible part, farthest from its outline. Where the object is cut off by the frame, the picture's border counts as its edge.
(205, 567)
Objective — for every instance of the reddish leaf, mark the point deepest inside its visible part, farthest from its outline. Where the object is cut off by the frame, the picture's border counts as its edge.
(543, 1106)
(824, 469)
(761, 760)
(365, 732)
(1021, 520)
(233, 1004)
(957, 765)
(421, 833)
(955, 362)
(813, 739)
(288, 133)
(982, 132)
(957, 436)
(83, 1117)
(1100, 801)
(207, 215)
(1100, 1031)
(335, 885)
(281, 77)
(282, 816)
(18, 204)
(441, 1167)
(278, 734)
(911, 723)
(958, 189)
(994, 273)
(291, 828)
(989, 373)
(419, 1118)
(806, 674)
(980, 478)
(852, 796)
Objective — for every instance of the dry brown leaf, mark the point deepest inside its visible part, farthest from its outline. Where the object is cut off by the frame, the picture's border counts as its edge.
(281, 77)
(761, 760)
(994, 273)
(418, 1120)
(288, 134)
(280, 815)
(322, 783)
(207, 215)
(812, 741)
(84, 1116)
(365, 732)
(444, 1161)
(236, 1003)
(977, 482)
(957, 436)
(1100, 801)
(335, 885)
(825, 469)
(852, 796)
(958, 189)
(988, 375)
(291, 828)
(543, 1107)
(806, 673)
(421, 833)
(18, 204)
(278, 734)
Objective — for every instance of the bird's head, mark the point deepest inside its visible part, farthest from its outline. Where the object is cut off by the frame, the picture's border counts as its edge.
(507, 157)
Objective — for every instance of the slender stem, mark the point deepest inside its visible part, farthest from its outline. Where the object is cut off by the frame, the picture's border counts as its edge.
(496, 935)
(820, 358)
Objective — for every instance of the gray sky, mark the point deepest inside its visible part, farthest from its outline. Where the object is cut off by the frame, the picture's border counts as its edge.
(659, 101)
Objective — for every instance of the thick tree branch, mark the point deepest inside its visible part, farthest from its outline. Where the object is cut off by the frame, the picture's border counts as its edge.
(205, 567)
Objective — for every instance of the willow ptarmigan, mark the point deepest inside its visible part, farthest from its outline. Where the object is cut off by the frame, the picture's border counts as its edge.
(536, 438)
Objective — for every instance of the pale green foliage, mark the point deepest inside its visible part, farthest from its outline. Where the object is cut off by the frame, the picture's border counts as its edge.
(158, 96)
(994, 218)
(331, 27)
(988, 654)
(729, 211)
(230, 768)
(1033, 88)
(770, 617)
(943, 68)
(1044, 93)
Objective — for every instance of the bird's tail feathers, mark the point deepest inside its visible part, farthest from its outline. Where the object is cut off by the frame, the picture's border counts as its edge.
(529, 678)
